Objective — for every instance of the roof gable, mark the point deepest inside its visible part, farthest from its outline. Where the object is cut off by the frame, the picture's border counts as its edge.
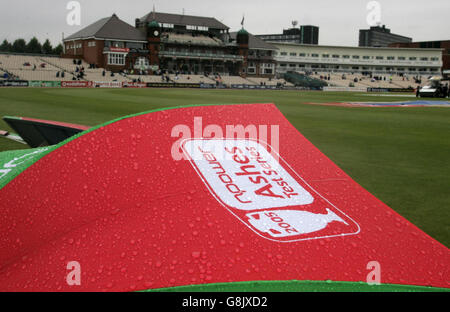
(109, 28)
(183, 20)
(255, 43)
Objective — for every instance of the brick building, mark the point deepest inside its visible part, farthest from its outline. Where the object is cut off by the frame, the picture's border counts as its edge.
(260, 59)
(110, 43)
(173, 42)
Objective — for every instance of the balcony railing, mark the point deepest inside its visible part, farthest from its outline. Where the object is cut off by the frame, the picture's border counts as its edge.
(261, 57)
(197, 42)
(202, 55)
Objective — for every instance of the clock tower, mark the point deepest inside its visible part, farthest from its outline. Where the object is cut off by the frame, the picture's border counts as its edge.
(154, 41)
(242, 40)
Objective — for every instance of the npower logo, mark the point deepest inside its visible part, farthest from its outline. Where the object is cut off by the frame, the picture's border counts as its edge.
(264, 192)
(76, 84)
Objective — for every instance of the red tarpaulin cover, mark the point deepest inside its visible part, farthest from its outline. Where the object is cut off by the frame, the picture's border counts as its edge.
(116, 201)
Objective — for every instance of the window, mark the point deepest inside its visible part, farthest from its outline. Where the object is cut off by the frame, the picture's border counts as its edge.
(401, 58)
(325, 55)
(314, 55)
(346, 56)
(355, 57)
(435, 59)
(268, 71)
(380, 57)
(424, 58)
(335, 56)
(302, 54)
(293, 54)
(413, 58)
(292, 65)
(251, 68)
(134, 45)
(116, 59)
(391, 58)
(192, 27)
(91, 44)
(366, 57)
(283, 53)
(283, 65)
(118, 44)
(142, 62)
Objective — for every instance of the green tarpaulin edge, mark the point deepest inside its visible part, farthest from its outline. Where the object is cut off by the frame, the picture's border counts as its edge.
(299, 286)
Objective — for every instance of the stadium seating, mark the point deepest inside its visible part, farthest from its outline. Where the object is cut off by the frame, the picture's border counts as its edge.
(65, 64)
(147, 78)
(191, 79)
(236, 80)
(188, 39)
(98, 76)
(47, 75)
(336, 79)
(29, 67)
(270, 82)
(25, 62)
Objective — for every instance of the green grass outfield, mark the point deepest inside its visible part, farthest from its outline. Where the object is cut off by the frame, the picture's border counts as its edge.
(401, 155)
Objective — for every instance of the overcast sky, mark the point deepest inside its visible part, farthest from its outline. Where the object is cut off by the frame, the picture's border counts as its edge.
(339, 21)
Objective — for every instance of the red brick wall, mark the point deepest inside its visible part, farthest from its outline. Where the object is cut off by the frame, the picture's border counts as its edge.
(446, 54)
(74, 53)
(153, 47)
(243, 51)
(94, 55)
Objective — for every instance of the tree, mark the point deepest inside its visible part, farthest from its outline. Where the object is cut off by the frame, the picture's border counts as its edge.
(47, 47)
(34, 46)
(58, 50)
(19, 46)
(5, 46)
